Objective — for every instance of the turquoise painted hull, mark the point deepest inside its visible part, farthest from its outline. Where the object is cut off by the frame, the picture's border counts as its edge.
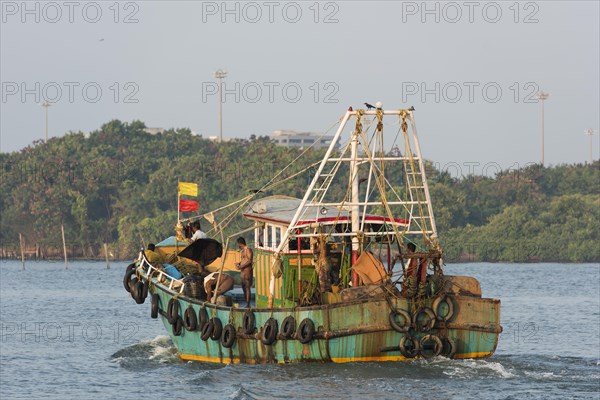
(344, 332)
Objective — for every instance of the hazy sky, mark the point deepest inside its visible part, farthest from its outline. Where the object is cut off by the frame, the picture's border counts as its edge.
(471, 70)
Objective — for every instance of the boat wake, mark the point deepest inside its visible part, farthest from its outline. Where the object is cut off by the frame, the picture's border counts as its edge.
(147, 353)
(467, 369)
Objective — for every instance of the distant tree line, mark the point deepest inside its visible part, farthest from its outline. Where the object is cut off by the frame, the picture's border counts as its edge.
(118, 185)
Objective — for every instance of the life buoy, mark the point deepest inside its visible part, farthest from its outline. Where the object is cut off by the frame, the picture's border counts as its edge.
(409, 346)
(178, 326)
(269, 332)
(217, 328)
(127, 277)
(448, 347)
(400, 327)
(154, 306)
(436, 308)
(189, 319)
(172, 310)
(429, 319)
(202, 318)
(288, 327)
(207, 330)
(437, 346)
(249, 322)
(306, 329)
(139, 292)
(228, 337)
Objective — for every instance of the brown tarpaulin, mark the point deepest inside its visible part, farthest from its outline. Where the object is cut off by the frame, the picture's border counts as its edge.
(369, 268)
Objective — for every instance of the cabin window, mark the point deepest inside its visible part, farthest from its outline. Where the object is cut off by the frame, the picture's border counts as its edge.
(277, 236)
(269, 236)
(304, 242)
(259, 239)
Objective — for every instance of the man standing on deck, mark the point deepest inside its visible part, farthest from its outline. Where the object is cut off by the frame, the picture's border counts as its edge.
(416, 273)
(245, 267)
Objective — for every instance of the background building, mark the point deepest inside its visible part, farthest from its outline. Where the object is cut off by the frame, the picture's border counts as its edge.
(289, 138)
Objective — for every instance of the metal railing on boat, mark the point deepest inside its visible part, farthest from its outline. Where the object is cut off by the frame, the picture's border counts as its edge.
(161, 273)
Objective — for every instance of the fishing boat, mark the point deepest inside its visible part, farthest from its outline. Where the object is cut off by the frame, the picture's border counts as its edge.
(350, 272)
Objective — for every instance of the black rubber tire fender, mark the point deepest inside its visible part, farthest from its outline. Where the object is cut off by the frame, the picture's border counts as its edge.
(437, 346)
(127, 277)
(189, 319)
(288, 327)
(139, 290)
(154, 306)
(269, 332)
(409, 353)
(178, 326)
(448, 347)
(394, 323)
(217, 329)
(133, 288)
(436, 304)
(228, 337)
(420, 327)
(306, 330)
(172, 310)
(202, 318)
(146, 287)
(207, 330)
(249, 322)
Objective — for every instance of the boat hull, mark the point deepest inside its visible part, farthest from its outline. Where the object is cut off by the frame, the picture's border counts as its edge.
(344, 332)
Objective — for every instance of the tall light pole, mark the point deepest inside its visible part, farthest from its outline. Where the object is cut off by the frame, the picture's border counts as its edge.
(541, 97)
(220, 75)
(590, 132)
(45, 104)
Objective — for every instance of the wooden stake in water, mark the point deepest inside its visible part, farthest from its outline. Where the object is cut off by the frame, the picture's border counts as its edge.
(22, 252)
(62, 228)
(106, 255)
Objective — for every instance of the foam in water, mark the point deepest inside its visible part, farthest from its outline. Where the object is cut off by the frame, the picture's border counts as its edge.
(160, 349)
(473, 368)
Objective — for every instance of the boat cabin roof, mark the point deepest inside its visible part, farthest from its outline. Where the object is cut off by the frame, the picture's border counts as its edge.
(281, 210)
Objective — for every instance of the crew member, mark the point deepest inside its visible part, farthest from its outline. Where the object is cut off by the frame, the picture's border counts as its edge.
(152, 256)
(210, 284)
(245, 267)
(198, 234)
(416, 274)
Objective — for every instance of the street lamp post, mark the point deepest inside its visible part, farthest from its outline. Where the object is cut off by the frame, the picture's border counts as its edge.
(45, 104)
(590, 132)
(220, 75)
(541, 97)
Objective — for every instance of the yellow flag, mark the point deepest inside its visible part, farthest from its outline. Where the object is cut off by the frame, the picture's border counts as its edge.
(190, 189)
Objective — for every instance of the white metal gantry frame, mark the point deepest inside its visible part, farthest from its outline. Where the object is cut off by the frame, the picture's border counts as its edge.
(314, 196)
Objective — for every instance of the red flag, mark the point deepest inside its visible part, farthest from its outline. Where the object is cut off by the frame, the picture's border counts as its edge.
(188, 205)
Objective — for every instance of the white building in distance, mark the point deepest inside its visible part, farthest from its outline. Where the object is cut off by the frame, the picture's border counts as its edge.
(289, 138)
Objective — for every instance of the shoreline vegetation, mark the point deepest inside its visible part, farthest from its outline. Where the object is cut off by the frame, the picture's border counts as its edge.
(118, 185)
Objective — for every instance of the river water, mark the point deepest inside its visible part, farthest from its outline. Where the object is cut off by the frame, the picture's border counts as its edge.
(76, 333)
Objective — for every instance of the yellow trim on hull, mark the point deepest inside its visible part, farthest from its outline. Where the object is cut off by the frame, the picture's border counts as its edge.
(476, 354)
(236, 360)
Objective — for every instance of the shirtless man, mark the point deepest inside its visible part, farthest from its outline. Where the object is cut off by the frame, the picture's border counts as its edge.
(416, 274)
(210, 284)
(245, 267)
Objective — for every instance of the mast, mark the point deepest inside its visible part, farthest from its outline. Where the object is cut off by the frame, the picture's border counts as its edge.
(355, 200)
